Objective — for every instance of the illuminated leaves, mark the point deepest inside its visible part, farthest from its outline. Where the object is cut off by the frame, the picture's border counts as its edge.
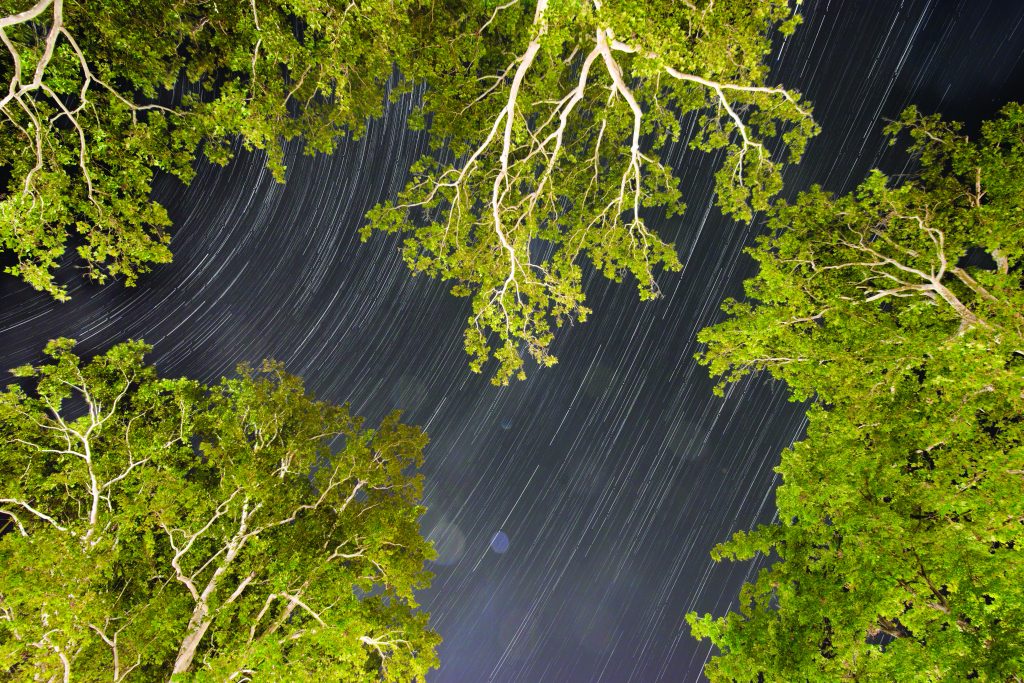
(549, 121)
(156, 526)
(897, 310)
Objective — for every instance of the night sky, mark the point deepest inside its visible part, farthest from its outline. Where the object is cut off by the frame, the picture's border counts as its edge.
(573, 512)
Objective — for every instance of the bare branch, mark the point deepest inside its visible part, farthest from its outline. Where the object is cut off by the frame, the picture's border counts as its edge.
(295, 600)
(180, 575)
(21, 527)
(41, 515)
(494, 14)
(27, 15)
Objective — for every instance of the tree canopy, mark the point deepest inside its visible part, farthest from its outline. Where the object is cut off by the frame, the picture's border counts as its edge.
(242, 530)
(101, 96)
(896, 310)
(549, 120)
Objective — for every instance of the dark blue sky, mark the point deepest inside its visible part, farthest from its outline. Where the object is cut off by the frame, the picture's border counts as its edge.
(613, 473)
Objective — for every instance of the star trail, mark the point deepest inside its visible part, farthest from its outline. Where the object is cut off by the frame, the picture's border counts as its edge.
(574, 512)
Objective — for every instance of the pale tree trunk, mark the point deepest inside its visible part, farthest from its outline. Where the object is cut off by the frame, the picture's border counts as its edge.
(197, 627)
(201, 619)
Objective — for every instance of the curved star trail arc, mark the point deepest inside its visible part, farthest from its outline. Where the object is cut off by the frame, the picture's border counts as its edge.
(609, 476)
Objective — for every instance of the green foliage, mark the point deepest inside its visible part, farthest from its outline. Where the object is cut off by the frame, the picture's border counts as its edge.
(550, 120)
(557, 112)
(83, 133)
(156, 526)
(896, 309)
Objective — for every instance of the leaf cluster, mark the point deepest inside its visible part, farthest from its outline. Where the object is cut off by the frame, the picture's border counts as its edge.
(550, 122)
(243, 528)
(130, 89)
(896, 311)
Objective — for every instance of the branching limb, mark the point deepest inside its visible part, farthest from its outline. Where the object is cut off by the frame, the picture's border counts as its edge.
(383, 643)
(41, 515)
(494, 15)
(201, 619)
(27, 15)
(17, 522)
(181, 551)
(112, 644)
(633, 173)
(297, 601)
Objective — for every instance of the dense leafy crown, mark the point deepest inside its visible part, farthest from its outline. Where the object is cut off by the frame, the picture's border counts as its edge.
(90, 110)
(898, 309)
(156, 526)
(550, 119)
